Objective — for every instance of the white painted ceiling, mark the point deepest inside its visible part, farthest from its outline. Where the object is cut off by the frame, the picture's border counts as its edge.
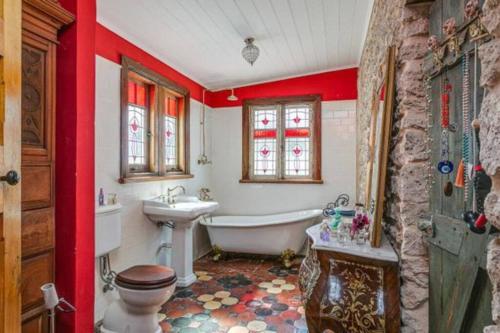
(203, 38)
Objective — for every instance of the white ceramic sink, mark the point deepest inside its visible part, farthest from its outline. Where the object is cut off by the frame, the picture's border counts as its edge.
(184, 209)
(182, 213)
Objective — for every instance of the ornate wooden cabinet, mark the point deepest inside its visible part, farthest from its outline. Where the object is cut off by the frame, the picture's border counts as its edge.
(349, 288)
(41, 21)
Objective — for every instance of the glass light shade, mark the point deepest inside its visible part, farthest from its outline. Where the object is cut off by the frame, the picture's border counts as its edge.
(250, 52)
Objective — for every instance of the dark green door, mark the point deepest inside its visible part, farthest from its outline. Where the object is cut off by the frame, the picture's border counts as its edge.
(459, 288)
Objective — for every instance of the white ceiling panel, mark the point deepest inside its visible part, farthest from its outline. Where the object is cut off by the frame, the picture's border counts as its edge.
(203, 38)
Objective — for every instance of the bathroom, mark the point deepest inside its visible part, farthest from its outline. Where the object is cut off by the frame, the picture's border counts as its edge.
(242, 166)
(141, 239)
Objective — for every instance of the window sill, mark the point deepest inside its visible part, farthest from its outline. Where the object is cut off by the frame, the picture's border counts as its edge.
(142, 179)
(281, 181)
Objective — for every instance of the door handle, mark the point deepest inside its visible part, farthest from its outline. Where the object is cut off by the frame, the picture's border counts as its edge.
(11, 178)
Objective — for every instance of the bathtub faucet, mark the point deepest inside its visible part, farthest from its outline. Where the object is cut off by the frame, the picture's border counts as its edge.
(170, 197)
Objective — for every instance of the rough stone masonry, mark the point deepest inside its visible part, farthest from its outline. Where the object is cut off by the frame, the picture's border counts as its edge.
(408, 29)
(489, 134)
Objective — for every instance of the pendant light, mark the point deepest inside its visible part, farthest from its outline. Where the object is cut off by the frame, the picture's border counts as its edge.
(250, 52)
(232, 97)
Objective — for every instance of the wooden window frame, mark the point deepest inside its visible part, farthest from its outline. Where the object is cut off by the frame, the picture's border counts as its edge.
(315, 178)
(148, 124)
(156, 170)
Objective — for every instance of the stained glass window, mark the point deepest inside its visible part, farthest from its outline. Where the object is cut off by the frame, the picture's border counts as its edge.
(264, 141)
(137, 129)
(155, 125)
(170, 127)
(282, 141)
(297, 140)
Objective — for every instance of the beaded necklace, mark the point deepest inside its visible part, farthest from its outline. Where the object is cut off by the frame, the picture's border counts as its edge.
(445, 166)
(466, 125)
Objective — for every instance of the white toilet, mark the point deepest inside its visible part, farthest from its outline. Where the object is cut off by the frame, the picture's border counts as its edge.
(142, 289)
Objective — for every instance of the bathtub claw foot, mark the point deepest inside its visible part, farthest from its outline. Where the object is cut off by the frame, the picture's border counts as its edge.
(287, 257)
(217, 253)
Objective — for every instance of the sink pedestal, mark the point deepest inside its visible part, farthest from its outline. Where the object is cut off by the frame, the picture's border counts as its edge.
(182, 214)
(182, 253)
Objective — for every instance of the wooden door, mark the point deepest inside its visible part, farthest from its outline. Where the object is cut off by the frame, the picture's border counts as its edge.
(460, 291)
(41, 19)
(10, 157)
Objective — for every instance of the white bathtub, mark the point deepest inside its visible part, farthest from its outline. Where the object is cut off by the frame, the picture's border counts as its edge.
(264, 234)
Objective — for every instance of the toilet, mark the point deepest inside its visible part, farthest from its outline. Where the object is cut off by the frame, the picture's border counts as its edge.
(142, 288)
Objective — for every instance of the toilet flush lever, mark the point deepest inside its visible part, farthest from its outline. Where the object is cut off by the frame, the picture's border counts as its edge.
(11, 177)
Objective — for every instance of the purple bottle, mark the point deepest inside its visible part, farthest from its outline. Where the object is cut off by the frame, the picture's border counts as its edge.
(101, 197)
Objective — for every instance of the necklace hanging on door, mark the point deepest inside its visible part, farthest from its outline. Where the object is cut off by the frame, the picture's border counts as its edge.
(462, 180)
(445, 166)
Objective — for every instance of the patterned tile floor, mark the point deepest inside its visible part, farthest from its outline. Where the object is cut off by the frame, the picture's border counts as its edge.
(238, 295)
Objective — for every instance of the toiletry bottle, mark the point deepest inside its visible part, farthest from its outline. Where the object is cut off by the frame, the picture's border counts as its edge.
(101, 197)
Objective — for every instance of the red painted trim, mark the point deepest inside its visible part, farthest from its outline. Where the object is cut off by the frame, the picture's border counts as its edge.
(334, 85)
(75, 167)
(111, 46)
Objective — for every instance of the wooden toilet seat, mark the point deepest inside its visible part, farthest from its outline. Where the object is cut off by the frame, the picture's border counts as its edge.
(146, 277)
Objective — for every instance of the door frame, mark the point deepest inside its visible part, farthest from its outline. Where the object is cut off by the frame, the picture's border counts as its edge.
(10, 159)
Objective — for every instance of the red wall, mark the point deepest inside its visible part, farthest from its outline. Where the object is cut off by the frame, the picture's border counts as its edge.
(334, 85)
(111, 46)
(75, 167)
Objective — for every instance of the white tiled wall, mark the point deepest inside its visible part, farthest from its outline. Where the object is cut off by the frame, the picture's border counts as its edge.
(338, 165)
(140, 237)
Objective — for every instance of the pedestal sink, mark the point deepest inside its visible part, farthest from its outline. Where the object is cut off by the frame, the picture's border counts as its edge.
(181, 214)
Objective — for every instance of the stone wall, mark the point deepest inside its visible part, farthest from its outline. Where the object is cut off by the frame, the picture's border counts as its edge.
(407, 197)
(384, 24)
(407, 28)
(489, 53)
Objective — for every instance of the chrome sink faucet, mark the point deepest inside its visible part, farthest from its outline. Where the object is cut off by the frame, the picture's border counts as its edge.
(170, 197)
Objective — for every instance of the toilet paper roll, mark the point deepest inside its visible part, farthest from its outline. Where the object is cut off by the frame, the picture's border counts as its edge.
(50, 295)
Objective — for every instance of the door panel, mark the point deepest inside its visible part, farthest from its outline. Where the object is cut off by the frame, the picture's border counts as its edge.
(37, 231)
(37, 186)
(36, 272)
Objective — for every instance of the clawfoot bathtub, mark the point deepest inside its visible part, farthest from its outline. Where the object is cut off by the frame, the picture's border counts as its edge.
(276, 234)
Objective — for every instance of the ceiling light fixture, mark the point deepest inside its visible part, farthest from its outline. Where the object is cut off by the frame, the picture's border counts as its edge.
(250, 52)
(232, 97)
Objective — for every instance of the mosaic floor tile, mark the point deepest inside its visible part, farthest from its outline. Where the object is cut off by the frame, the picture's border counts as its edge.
(222, 294)
(212, 305)
(256, 325)
(288, 286)
(205, 298)
(238, 329)
(229, 301)
(237, 295)
(274, 290)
